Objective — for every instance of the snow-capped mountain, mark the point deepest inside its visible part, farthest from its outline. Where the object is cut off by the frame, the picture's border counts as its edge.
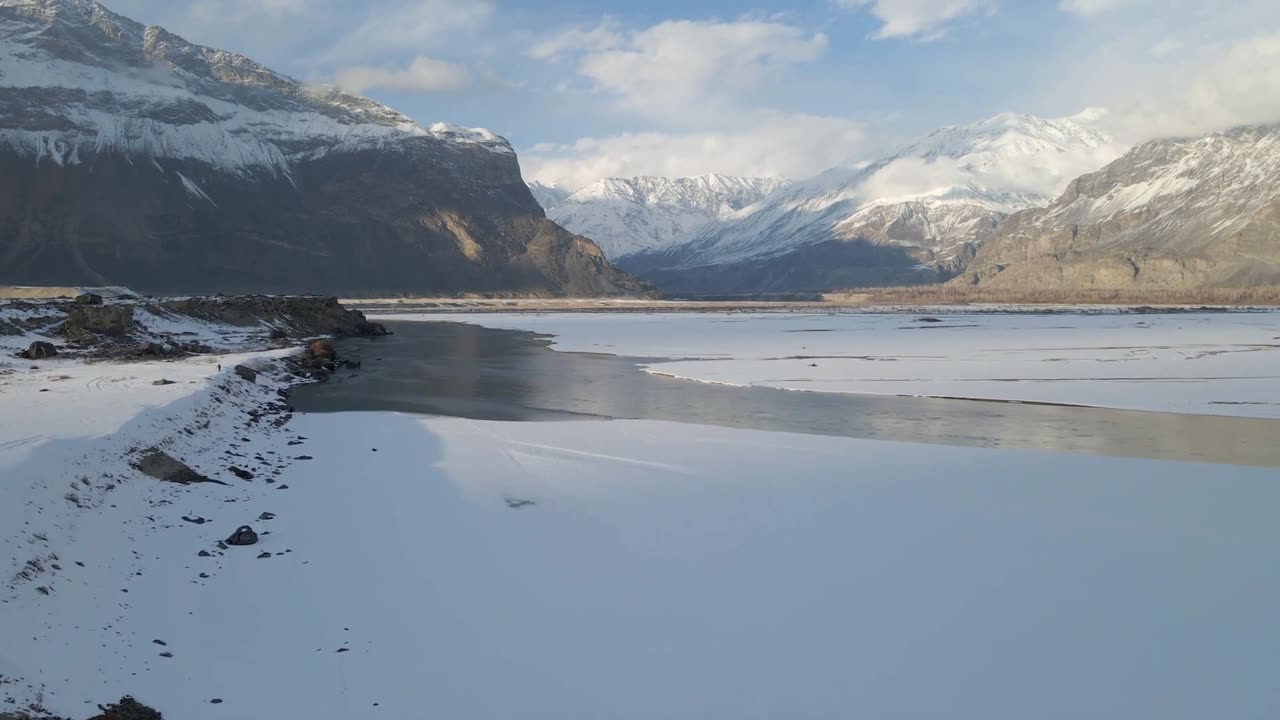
(548, 196)
(937, 199)
(631, 215)
(112, 85)
(1172, 213)
(134, 157)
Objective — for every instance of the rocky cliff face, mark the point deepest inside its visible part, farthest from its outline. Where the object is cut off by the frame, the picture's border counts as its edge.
(130, 156)
(1171, 214)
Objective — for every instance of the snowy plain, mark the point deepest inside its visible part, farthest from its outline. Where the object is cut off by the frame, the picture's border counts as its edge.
(1211, 363)
(440, 567)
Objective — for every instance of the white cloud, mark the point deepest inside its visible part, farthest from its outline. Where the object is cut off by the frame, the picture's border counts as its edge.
(1091, 7)
(604, 36)
(422, 74)
(703, 91)
(408, 26)
(682, 67)
(924, 19)
(1174, 67)
(771, 144)
(1238, 86)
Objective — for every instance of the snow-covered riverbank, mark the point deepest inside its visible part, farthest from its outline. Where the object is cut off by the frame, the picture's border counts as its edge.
(1211, 364)
(424, 567)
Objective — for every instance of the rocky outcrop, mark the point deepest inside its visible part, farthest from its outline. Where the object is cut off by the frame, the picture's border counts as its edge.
(129, 156)
(287, 316)
(1169, 215)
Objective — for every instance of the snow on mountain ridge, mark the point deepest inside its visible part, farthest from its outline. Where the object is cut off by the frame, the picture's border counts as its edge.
(629, 215)
(75, 74)
(1179, 212)
(999, 165)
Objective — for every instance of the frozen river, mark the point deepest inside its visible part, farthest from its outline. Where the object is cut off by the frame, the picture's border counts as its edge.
(464, 370)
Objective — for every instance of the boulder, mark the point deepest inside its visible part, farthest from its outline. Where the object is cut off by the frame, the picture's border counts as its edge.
(247, 373)
(89, 324)
(39, 350)
(244, 535)
(162, 466)
(88, 299)
(323, 350)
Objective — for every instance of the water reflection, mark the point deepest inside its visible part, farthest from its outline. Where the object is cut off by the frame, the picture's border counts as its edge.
(469, 371)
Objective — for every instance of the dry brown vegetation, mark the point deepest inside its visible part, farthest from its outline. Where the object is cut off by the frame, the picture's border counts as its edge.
(963, 294)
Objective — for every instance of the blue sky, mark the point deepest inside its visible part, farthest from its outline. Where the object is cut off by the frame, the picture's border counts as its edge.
(624, 87)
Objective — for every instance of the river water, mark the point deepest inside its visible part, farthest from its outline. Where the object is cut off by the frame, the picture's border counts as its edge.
(461, 370)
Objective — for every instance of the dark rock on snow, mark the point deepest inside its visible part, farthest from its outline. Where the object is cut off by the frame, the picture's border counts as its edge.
(162, 466)
(127, 709)
(39, 350)
(244, 535)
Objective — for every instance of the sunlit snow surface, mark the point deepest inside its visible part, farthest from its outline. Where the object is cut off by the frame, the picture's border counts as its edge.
(660, 571)
(1218, 364)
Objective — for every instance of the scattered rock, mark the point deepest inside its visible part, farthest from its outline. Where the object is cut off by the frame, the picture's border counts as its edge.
(304, 457)
(240, 473)
(342, 650)
(194, 520)
(244, 535)
(264, 556)
(204, 553)
(166, 654)
(216, 701)
(267, 516)
(162, 466)
(160, 643)
(517, 503)
(162, 382)
(247, 373)
(283, 487)
(927, 320)
(204, 576)
(88, 299)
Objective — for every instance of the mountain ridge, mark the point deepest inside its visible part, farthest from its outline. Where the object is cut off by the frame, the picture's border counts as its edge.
(133, 157)
(920, 212)
(1174, 213)
(626, 216)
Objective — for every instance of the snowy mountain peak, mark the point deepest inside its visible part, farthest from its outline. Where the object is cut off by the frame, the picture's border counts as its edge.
(75, 76)
(630, 215)
(943, 190)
